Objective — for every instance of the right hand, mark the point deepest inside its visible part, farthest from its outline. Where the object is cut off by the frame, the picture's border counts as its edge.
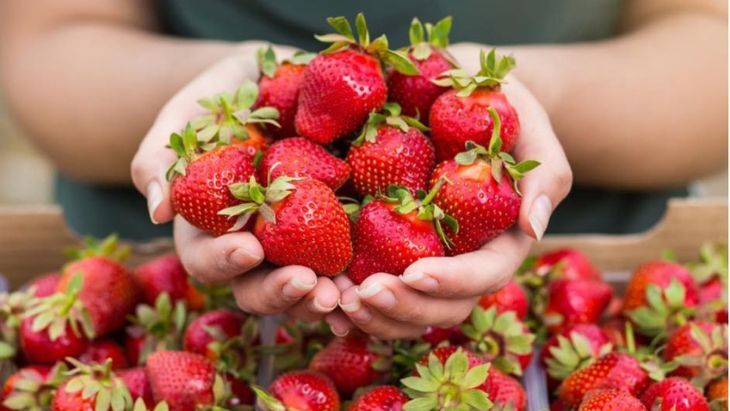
(233, 257)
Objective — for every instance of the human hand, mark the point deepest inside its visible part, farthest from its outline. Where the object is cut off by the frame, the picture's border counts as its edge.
(441, 291)
(262, 290)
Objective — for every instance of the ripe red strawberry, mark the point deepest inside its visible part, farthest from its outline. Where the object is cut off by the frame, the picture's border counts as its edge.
(501, 339)
(186, 381)
(658, 297)
(39, 347)
(300, 391)
(299, 222)
(30, 388)
(382, 398)
(716, 394)
(200, 180)
(504, 391)
(566, 263)
(45, 285)
(573, 302)
(154, 328)
(279, 87)
(511, 297)
(240, 392)
(461, 115)
(391, 150)
(92, 388)
(344, 83)
(417, 93)
(480, 192)
(574, 348)
(700, 348)
(436, 335)
(136, 381)
(99, 351)
(352, 362)
(166, 275)
(674, 394)
(393, 232)
(444, 352)
(615, 330)
(613, 370)
(710, 272)
(299, 157)
(608, 399)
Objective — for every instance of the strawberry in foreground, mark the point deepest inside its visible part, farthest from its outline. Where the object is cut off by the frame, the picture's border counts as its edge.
(511, 297)
(391, 150)
(299, 222)
(345, 82)
(416, 93)
(481, 191)
(31, 388)
(279, 87)
(299, 157)
(608, 399)
(573, 302)
(382, 398)
(396, 230)
(700, 350)
(299, 391)
(92, 387)
(136, 381)
(574, 348)
(462, 114)
(200, 179)
(674, 394)
(166, 274)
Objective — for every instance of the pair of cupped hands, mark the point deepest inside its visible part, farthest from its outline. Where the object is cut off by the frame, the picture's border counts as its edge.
(435, 291)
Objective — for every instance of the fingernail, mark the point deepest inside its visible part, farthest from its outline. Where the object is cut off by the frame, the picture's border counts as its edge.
(338, 331)
(424, 282)
(350, 307)
(540, 215)
(320, 307)
(154, 198)
(242, 257)
(377, 295)
(296, 288)
(370, 290)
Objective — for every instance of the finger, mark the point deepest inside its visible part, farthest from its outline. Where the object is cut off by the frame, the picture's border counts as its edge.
(319, 302)
(372, 322)
(343, 282)
(215, 259)
(339, 324)
(264, 292)
(472, 274)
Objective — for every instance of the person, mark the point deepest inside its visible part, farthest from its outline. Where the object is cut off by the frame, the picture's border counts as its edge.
(635, 90)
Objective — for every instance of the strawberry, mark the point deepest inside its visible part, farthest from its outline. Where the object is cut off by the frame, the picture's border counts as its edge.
(393, 232)
(700, 350)
(45, 285)
(417, 93)
(352, 362)
(166, 274)
(382, 398)
(659, 296)
(200, 180)
(99, 351)
(299, 391)
(31, 387)
(345, 82)
(613, 370)
(154, 328)
(716, 393)
(711, 273)
(299, 157)
(437, 335)
(573, 302)
(479, 194)
(461, 115)
(39, 346)
(14, 307)
(299, 222)
(136, 381)
(279, 86)
(608, 399)
(511, 297)
(504, 391)
(444, 352)
(186, 381)
(501, 339)
(241, 393)
(674, 394)
(92, 388)
(566, 263)
(615, 330)
(574, 348)
(391, 149)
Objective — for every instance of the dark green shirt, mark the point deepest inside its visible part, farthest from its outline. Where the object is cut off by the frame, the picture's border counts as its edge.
(100, 210)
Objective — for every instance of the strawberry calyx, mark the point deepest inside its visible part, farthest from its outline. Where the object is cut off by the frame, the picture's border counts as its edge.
(257, 198)
(12, 308)
(345, 39)
(33, 391)
(452, 385)
(108, 247)
(62, 309)
(493, 70)
(235, 355)
(713, 263)
(571, 354)
(499, 337)
(266, 60)
(97, 381)
(140, 405)
(712, 361)
(268, 401)
(664, 310)
(423, 41)
(494, 156)
(161, 326)
(391, 116)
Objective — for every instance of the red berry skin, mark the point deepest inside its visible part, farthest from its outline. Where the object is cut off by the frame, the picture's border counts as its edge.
(197, 339)
(305, 391)
(610, 400)
(36, 372)
(134, 340)
(386, 241)
(455, 120)
(71, 401)
(311, 229)
(416, 94)
(444, 352)
(45, 285)
(567, 263)
(504, 390)
(674, 394)
(348, 363)
(203, 191)
(436, 335)
(282, 92)
(109, 292)
(382, 398)
(575, 302)
(241, 393)
(511, 297)
(138, 384)
(99, 351)
(681, 342)
(593, 333)
(299, 157)
(338, 93)
(166, 274)
(395, 157)
(613, 370)
(661, 274)
(183, 379)
(38, 348)
(483, 207)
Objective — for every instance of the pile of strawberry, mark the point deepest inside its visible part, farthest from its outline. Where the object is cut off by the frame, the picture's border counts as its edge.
(330, 162)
